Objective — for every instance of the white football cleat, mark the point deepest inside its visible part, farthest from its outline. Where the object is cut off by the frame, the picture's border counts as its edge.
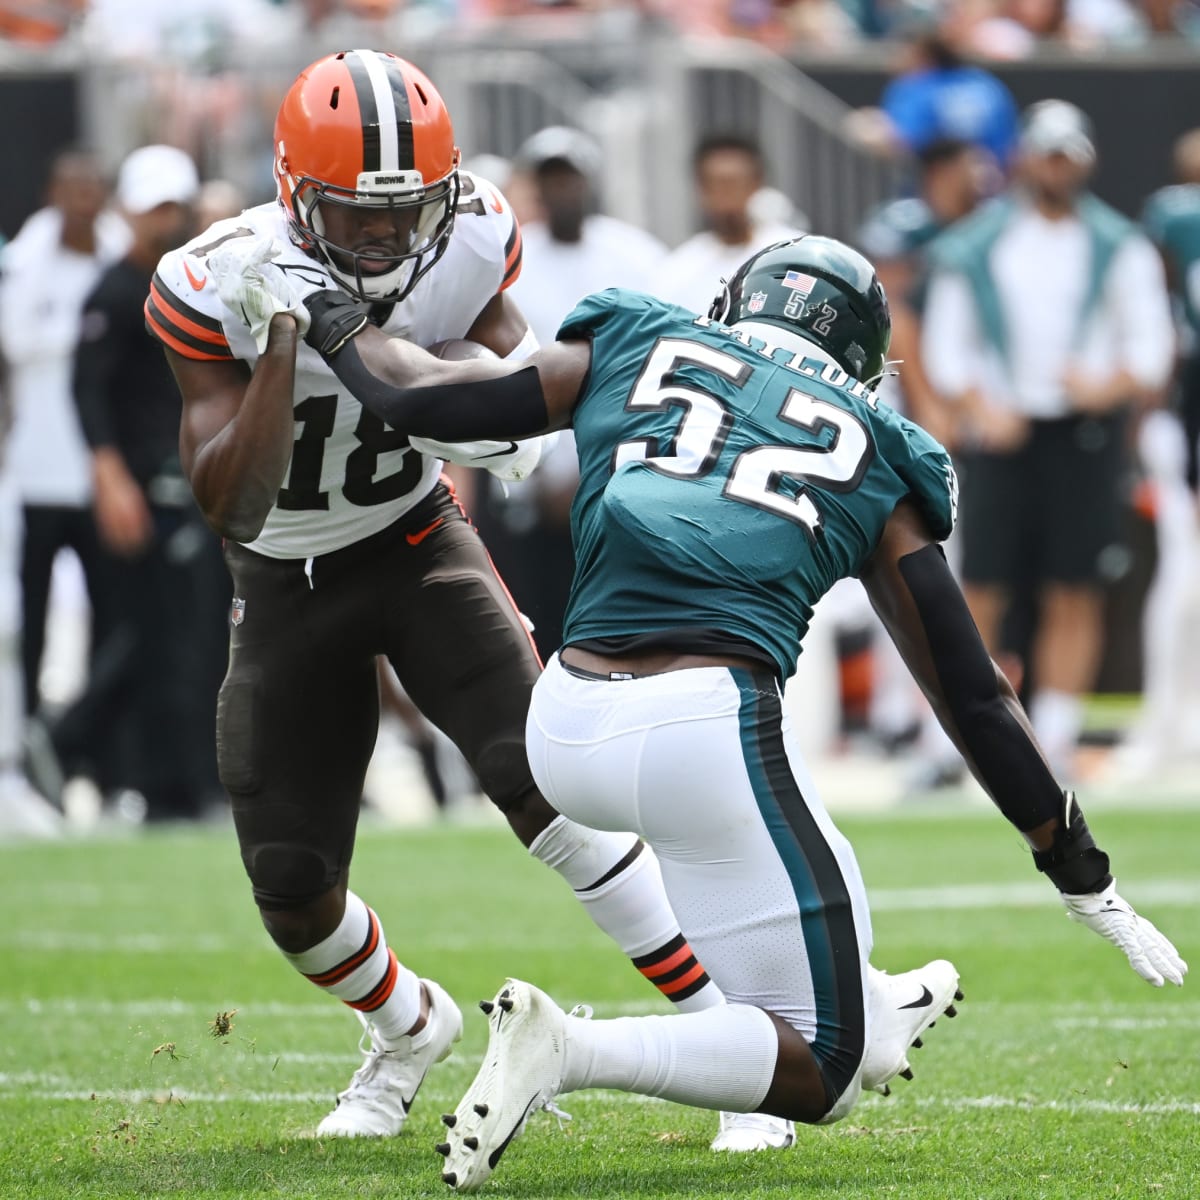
(741, 1133)
(902, 1008)
(382, 1090)
(521, 1072)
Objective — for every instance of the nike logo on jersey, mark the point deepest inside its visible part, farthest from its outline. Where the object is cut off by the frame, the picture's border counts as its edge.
(494, 202)
(197, 284)
(923, 1001)
(509, 448)
(415, 539)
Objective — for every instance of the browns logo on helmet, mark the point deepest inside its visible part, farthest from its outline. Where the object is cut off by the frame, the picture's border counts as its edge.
(367, 170)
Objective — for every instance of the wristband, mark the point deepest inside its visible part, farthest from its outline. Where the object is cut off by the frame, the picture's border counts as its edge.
(1073, 862)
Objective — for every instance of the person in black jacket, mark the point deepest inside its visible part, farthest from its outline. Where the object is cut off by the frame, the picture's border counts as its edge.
(168, 653)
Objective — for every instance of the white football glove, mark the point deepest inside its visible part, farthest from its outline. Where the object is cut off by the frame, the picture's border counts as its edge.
(509, 461)
(251, 284)
(1150, 954)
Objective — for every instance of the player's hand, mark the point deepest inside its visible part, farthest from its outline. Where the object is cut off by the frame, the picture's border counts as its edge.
(1150, 954)
(509, 461)
(251, 284)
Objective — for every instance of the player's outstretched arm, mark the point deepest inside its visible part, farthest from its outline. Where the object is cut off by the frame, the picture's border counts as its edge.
(449, 401)
(923, 609)
(236, 434)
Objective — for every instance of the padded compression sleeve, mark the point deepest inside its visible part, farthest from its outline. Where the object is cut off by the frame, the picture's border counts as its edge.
(511, 406)
(1012, 769)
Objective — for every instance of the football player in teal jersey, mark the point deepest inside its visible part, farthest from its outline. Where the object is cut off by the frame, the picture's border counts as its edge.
(733, 466)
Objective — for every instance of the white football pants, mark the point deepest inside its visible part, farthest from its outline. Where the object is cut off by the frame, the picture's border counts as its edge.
(703, 765)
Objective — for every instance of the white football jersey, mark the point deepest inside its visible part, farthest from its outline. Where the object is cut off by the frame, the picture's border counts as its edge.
(351, 474)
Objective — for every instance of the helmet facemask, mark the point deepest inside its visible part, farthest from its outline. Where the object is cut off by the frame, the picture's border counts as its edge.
(422, 219)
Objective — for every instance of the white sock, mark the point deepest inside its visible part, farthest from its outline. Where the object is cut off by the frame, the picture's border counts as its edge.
(723, 1058)
(1057, 719)
(355, 964)
(12, 698)
(631, 906)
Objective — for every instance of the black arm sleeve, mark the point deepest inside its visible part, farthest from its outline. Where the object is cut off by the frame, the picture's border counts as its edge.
(511, 406)
(1013, 770)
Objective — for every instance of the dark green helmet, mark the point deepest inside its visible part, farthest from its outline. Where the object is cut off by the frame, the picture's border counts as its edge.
(823, 290)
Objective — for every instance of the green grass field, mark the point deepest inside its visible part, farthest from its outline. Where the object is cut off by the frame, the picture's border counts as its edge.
(1064, 1075)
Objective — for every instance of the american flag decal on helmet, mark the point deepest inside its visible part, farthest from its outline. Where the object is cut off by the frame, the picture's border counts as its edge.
(798, 281)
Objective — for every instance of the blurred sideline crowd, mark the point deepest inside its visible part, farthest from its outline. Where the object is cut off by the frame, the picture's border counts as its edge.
(1050, 342)
(995, 29)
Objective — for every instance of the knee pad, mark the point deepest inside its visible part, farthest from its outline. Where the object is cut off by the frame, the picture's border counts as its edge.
(237, 711)
(287, 876)
(502, 768)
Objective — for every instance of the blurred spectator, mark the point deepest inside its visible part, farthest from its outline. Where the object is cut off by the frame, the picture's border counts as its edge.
(186, 73)
(1168, 727)
(216, 200)
(728, 172)
(1047, 321)
(937, 95)
(811, 24)
(23, 813)
(570, 250)
(171, 584)
(896, 237)
(1171, 217)
(49, 268)
(38, 23)
(950, 183)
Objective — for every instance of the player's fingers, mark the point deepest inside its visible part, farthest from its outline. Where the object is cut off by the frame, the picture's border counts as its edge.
(1162, 954)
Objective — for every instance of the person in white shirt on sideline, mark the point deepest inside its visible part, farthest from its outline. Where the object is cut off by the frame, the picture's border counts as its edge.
(48, 270)
(1047, 322)
(729, 173)
(571, 250)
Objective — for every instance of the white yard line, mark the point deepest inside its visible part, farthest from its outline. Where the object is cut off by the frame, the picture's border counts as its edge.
(52, 1088)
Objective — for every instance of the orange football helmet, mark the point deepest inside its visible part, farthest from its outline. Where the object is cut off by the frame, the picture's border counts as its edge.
(366, 129)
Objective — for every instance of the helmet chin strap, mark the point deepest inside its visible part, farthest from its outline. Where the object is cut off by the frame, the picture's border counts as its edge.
(785, 339)
(374, 287)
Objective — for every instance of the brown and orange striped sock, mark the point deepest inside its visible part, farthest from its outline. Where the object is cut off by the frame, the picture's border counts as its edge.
(355, 964)
(616, 878)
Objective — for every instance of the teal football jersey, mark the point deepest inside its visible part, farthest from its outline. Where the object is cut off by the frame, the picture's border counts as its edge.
(1171, 218)
(726, 485)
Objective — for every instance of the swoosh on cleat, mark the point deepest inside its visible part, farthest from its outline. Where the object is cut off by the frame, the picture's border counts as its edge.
(923, 1001)
(494, 1157)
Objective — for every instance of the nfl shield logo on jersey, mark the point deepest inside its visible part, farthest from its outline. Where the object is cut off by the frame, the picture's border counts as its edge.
(756, 302)
(237, 613)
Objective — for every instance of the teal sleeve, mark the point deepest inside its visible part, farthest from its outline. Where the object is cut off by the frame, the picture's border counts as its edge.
(927, 470)
(590, 313)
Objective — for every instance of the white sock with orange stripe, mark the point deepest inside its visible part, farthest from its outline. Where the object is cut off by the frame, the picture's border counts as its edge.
(355, 964)
(617, 880)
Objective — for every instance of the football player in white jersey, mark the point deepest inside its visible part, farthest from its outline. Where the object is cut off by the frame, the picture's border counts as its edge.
(345, 542)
